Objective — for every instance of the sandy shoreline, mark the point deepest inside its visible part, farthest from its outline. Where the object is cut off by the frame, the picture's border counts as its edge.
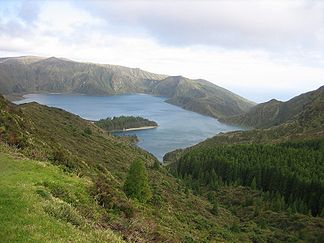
(135, 129)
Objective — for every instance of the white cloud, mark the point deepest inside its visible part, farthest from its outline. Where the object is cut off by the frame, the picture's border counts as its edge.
(238, 24)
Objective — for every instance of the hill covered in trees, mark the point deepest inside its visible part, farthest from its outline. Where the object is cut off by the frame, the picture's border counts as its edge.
(21, 75)
(123, 123)
(291, 172)
(259, 173)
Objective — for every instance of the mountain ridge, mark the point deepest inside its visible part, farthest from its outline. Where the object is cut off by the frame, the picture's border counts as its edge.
(275, 112)
(27, 74)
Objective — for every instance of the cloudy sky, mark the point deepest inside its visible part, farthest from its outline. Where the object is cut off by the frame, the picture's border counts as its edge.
(258, 49)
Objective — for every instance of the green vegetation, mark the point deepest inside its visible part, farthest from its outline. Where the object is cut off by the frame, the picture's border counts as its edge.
(202, 97)
(41, 203)
(271, 179)
(124, 122)
(136, 184)
(293, 171)
(272, 189)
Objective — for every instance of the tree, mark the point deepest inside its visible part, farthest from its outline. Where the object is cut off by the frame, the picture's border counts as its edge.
(253, 184)
(322, 213)
(215, 209)
(136, 184)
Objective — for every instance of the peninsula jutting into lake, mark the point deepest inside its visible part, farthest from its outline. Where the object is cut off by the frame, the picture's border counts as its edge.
(125, 123)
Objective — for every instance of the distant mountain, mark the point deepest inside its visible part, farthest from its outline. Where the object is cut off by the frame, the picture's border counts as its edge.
(27, 74)
(274, 112)
(20, 75)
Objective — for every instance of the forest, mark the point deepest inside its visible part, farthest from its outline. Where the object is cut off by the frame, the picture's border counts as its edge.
(124, 122)
(291, 173)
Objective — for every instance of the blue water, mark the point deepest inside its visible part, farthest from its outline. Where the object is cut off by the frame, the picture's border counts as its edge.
(178, 128)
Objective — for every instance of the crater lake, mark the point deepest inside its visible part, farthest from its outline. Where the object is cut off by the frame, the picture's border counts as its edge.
(177, 128)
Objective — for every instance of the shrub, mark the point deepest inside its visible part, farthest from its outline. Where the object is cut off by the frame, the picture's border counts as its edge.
(43, 193)
(63, 211)
(61, 192)
(156, 165)
(61, 157)
(108, 199)
(87, 130)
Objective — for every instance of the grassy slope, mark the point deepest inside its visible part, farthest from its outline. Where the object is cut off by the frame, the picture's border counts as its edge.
(23, 214)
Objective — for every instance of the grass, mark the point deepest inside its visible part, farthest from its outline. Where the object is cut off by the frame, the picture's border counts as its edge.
(29, 212)
(41, 202)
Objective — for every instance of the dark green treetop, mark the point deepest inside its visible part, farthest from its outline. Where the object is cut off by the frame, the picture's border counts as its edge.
(136, 184)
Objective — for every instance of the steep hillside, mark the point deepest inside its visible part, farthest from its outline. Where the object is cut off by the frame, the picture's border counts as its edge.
(202, 97)
(275, 112)
(63, 75)
(34, 75)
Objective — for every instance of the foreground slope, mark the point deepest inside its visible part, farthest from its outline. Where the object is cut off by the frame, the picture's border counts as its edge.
(22, 75)
(31, 210)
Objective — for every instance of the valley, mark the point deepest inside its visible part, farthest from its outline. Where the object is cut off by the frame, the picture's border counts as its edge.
(219, 182)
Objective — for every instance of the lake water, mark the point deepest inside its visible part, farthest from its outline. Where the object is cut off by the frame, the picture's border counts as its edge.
(178, 128)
